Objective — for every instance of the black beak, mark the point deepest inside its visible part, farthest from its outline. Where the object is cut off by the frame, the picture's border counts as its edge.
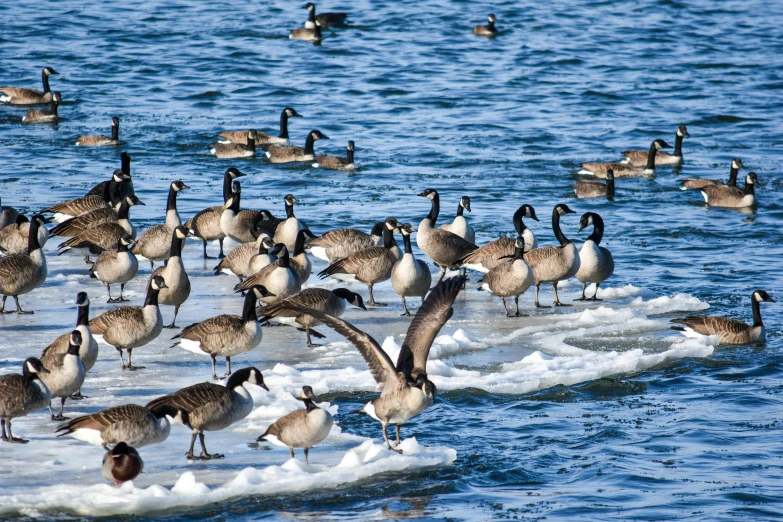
(422, 194)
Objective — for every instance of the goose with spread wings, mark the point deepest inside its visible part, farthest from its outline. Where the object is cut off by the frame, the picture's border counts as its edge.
(406, 390)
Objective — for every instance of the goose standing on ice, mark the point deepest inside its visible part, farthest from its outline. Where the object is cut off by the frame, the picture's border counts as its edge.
(66, 373)
(89, 221)
(300, 428)
(130, 327)
(460, 225)
(406, 388)
(337, 244)
(730, 331)
(14, 238)
(22, 394)
(206, 224)
(155, 243)
(212, 407)
(23, 96)
(555, 263)
(225, 335)
(177, 288)
(279, 277)
(110, 195)
(624, 170)
(410, 277)
(23, 273)
(116, 267)
(596, 264)
(488, 256)
(512, 277)
(638, 158)
(239, 225)
(237, 261)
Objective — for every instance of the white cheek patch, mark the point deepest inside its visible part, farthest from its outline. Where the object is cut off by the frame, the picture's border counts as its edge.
(31, 368)
(757, 296)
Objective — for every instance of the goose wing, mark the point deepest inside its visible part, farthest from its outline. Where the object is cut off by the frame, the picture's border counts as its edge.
(539, 255)
(339, 237)
(194, 397)
(711, 325)
(426, 324)
(259, 277)
(213, 326)
(491, 251)
(354, 262)
(101, 324)
(75, 225)
(314, 298)
(105, 418)
(12, 267)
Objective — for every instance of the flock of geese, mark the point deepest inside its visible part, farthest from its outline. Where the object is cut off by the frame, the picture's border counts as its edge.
(272, 263)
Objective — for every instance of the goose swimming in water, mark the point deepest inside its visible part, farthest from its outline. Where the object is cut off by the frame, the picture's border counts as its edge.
(336, 162)
(700, 183)
(263, 138)
(406, 389)
(624, 170)
(44, 115)
(638, 158)
(23, 96)
(102, 141)
(596, 264)
(236, 150)
(726, 196)
(291, 153)
(488, 30)
(596, 189)
(333, 19)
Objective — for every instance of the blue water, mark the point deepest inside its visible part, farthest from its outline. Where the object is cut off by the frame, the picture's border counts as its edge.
(507, 121)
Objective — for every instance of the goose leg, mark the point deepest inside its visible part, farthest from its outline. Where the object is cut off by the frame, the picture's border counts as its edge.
(310, 343)
(2, 308)
(442, 274)
(122, 289)
(221, 255)
(595, 295)
(516, 301)
(291, 449)
(557, 299)
(384, 425)
(397, 429)
(228, 367)
(111, 299)
(78, 396)
(11, 438)
(204, 243)
(214, 373)
(405, 306)
(122, 361)
(172, 325)
(372, 302)
(505, 307)
(306, 451)
(584, 285)
(130, 365)
(2, 427)
(190, 454)
(19, 310)
(538, 305)
(204, 454)
(58, 417)
(152, 265)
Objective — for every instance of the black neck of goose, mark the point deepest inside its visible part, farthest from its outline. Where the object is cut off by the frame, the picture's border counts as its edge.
(388, 238)
(651, 157)
(756, 312)
(283, 125)
(125, 164)
(434, 210)
(733, 176)
(556, 229)
(236, 197)
(311, 16)
(262, 250)
(237, 379)
(115, 132)
(299, 244)
(316, 29)
(251, 142)
(519, 225)
(460, 210)
(122, 247)
(491, 25)
(519, 252)
(114, 192)
(284, 259)
(309, 405)
(598, 229)
(54, 107)
(406, 240)
(349, 155)
(678, 144)
(45, 80)
(83, 316)
(171, 203)
(310, 141)
(289, 210)
(176, 245)
(749, 189)
(249, 308)
(152, 296)
(227, 180)
(32, 238)
(610, 186)
(109, 190)
(124, 210)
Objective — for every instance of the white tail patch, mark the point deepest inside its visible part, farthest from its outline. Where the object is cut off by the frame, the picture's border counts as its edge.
(319, 252)
(476, 266)
(4, 98)
(369, 409)
(315, 165)
(585, 171)
(706, 197)
(191, 346)
(212, 151)
(89, 436)
(224, 142)
(268, 155)
(274, 440)
(99, 338)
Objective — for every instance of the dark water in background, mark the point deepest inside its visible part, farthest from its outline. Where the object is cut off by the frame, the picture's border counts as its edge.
(506, 121)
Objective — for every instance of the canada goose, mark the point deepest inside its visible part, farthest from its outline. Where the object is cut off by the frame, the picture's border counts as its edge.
(116, 267)
(23, 273)
(129, 327)
(22, 96)
(262, 137)
(14, 238)
(88, 221)
(311, 34)
(624, 170)
(177, 288)
(237, 261)
(554, 263)
(442, 246)
(239, 225)
(732, 197)
(299, 260)
(369, 266)
(731, 331)
(300, 428)
(460, 225)
(511, 277)
(291, 153)
(488, 30)
(279, 277)
(264, 257)
(596, 189)
(236, 150)
(8, 216)
(698, 183)
(66, 373)
(110, 196)
(324, 19)
(88, 350)
(98, 141)
(342, 242)
(44, 115)
(206, 224)
(225, 335)
(638, 158)
(98, 238)
(324, 161)
(331, 302)
(155, 243)
(22, 394)
(129, 423)
(125, 189)
(212, 407)
(121, 464)
(595, 262)
(410, 277)
(406, 389)
(285, 230)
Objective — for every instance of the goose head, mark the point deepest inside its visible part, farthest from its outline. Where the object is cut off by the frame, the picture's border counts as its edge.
(492, 18)
(309, 6)
(261, 291)
(520, 243)
(761, 296)
(74, 342)
(682, 131)
(268, 243)
(115, 122)
(307, 394)
(529, 212)
(291, 113)
(133, 201)
(290, 200)
(32, 367)
(82, 299)
(158, 283)
(125, 239)
(41, 220)
(234, 173)
(119, 176)
(352, 297)
(250, 375)
(464, 202)
(585, 221)
(429, 194)
(563, 209)
(350, 145)
(181, 232)
(426, 385)
(21, 219)
(751, 179)
(392, 223)
(406, 229)
(736, 163)
(48, 71)
(318, 135)
(56, 97)
(178, 185)
(252, 134)
(661, 144)
(609, 173)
